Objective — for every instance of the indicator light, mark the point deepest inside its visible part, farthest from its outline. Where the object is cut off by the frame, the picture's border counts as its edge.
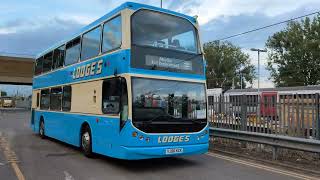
(134, 134)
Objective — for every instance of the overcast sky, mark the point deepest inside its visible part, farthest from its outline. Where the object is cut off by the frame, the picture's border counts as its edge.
(28, 27)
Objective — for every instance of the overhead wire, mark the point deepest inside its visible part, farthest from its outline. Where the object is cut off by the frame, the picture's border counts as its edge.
(267, 26)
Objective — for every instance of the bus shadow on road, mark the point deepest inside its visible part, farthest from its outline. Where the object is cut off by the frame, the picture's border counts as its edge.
(129, 165)
(149, 164)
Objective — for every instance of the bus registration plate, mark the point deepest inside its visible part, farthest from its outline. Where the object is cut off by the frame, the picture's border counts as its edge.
(174, 150)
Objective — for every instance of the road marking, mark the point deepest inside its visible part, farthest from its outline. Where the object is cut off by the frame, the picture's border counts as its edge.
(1, 164)
(10, 157)
(263, 167)
(67, 176)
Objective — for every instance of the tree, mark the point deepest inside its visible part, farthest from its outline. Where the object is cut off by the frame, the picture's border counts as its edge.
(294, 56)
(226, 65)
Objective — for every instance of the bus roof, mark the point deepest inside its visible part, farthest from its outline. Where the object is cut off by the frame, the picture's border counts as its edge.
(127, 5)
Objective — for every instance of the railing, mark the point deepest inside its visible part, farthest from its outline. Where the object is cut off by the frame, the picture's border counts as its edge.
(292, 121)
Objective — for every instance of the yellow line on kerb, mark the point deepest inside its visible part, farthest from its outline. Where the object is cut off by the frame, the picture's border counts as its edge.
(11, 157)
(263, 167)
(17, 171)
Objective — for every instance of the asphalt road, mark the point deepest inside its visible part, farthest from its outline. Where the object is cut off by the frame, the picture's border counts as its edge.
(50, 159)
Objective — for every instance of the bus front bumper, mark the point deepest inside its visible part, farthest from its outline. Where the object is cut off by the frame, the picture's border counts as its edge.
(163, 151)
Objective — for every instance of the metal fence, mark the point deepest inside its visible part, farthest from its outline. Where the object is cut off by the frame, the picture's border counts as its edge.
(289, 115)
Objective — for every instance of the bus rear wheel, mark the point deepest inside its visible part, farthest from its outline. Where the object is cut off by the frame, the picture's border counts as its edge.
(41, 129)
(86, 141)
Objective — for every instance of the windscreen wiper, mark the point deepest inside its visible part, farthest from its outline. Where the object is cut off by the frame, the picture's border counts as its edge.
(197, 121)
(160, 116)
(154, 67)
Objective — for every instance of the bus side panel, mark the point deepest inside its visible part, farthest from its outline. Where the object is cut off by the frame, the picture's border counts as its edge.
(66, 127)
(51, 121)
(105, 134)
(107, 139)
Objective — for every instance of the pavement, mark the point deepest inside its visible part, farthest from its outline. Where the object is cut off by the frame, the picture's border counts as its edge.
(34, 158)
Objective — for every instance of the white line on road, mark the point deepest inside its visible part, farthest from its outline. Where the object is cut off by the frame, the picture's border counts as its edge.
(67, 176)
(1, 164)
(263, 167)
(10, 156)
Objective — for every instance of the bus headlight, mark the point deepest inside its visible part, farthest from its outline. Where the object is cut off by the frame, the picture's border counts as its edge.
(141, 137)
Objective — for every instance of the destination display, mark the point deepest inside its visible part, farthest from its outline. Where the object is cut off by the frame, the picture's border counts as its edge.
(160, 59)
(165, 62)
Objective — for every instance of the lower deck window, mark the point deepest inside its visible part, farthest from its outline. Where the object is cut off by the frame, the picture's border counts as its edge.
(45, 99)
(56, 98)
(66, 98)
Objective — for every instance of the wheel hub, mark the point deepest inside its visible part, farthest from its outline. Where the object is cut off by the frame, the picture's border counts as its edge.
(85, 140)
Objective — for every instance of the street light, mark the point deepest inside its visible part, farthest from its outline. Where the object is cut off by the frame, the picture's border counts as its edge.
(258, 50)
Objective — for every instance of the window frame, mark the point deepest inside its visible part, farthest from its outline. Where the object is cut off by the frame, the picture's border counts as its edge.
(100, 42)
(120, 79)
(154, 79)
(48, 94)
(64, 56)
(43, 57)
(196, 31)
(38, 99)
(59, 87)
(40, 59)
(101, 52)
(62, 100)
(102, 32)
(72, 42)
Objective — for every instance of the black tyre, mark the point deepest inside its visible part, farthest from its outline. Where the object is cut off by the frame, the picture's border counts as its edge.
(42, 130)
(86, 141)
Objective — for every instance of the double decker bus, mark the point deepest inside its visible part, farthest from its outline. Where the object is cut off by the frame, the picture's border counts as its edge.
(130, 85)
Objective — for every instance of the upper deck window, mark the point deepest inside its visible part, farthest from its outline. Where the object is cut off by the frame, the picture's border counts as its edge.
(91, 44)
(72, 51)
(47, 62)
(112, 34)
(58, 57)
(38, 66)
(161, 30)
(164, 42)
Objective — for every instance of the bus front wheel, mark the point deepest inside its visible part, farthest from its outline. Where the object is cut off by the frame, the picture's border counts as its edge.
(86, 141)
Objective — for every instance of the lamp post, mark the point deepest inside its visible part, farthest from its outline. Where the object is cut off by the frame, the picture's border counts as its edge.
(161, 3)
(258, 50)
(259, 100)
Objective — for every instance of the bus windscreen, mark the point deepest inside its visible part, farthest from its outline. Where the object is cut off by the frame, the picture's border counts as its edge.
(165, 42)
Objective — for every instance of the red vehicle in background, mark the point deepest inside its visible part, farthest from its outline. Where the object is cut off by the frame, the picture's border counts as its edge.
(268, 104)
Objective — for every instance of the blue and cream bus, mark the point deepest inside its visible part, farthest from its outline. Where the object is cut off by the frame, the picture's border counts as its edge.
(130, 85)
